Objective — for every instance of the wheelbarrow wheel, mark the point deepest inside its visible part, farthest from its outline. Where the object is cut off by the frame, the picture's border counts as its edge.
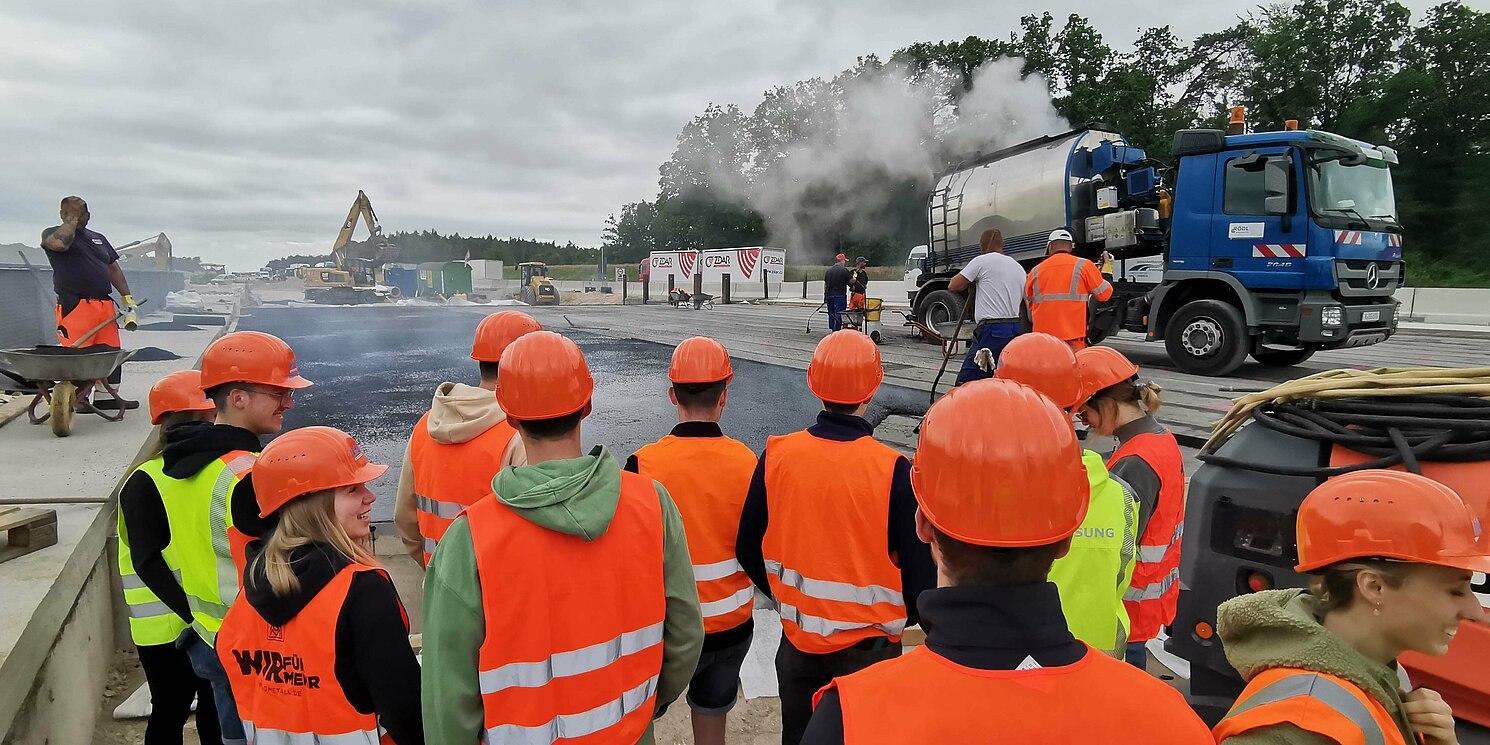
(64, 395)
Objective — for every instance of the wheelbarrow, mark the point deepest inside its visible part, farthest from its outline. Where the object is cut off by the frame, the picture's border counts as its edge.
(57, 372)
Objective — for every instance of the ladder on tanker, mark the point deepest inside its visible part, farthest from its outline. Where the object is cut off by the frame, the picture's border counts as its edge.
(945, 217)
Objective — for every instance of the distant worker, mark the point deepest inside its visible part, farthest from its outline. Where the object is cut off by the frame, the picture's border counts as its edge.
(154, 626)
(999, 664)
(858, 284)
(829, 532)
(565, 606)
(189, 528)
(85, 270)
(1058, 290)
(1147, 459)
(1095, 574)
(1391, 557)
(318, 651)
(459, 444)
(708, 474)
(835, 291)
(999, 293)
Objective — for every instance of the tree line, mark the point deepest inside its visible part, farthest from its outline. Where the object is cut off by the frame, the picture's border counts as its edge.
(429, 245)
(1361, 68)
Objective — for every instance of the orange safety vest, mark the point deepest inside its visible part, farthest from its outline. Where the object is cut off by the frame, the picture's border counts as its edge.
(284, 677)
(573, 641)
(827, 538)
(1324, 704)
(708, 478)
(449, 477)
(924, 697)
(1155, 588)
(1057, 292)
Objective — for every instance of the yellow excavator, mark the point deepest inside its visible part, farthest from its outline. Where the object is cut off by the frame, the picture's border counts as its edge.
(537, 288)
(352, 281)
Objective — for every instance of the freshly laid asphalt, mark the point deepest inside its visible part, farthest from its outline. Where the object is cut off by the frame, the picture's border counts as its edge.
(375, 369)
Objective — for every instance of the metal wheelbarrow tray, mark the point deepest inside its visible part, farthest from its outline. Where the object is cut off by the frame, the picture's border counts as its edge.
(57, 372)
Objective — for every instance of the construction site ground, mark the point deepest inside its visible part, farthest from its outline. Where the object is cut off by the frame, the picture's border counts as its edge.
(376, 366)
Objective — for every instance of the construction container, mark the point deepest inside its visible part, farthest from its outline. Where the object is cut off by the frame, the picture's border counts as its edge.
(403, 277)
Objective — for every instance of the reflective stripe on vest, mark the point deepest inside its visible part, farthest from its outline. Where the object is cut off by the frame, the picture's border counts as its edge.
(265, 736)
(710, 500)
(566, 726)
(1096, 573)
(1315, 702)
(1153, 596)
(831, 594)
(550, 667)
(1057, 303)
(449, 477)
(283, 678)
(922, 697)
(207, 548)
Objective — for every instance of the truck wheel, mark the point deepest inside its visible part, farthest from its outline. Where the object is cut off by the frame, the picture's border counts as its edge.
(1281, 357)
(527, 296)
(1207, 337)
(940, 311)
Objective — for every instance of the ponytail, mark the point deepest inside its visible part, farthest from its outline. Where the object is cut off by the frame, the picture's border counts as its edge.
(1143, 393)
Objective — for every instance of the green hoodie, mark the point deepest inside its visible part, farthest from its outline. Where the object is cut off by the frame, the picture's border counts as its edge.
(1279, 628)
(577, 496)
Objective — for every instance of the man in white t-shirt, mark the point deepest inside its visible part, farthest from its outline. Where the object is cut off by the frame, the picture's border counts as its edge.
(1000, 281)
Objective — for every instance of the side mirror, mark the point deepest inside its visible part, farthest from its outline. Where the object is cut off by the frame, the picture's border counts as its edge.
(1276, 197)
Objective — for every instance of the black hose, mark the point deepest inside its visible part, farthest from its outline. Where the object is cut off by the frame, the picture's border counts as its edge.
(1393, 430)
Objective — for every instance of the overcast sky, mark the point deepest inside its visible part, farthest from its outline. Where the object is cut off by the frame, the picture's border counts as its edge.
(244, 130)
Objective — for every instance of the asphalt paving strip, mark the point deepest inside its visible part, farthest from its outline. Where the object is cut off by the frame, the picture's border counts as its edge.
(376, 369)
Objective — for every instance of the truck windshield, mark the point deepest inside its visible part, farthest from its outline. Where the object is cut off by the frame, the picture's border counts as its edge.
(1363, 190)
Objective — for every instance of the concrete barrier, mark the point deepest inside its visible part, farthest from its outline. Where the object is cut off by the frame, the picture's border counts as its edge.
(27, 315)
(1446, 305)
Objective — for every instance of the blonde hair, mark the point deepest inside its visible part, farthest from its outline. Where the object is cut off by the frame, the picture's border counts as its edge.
(304, 520)
(1145, 393)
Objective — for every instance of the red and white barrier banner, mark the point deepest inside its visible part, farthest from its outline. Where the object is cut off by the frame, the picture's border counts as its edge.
(1279, 250)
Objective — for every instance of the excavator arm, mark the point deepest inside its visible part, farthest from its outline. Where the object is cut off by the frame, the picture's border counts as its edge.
(158, 244)
(361, 209)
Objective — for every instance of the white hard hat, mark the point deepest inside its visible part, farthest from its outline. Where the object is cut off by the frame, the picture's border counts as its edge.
(1059, 235)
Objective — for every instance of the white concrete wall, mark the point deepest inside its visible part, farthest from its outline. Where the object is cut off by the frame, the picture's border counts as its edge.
(1445, 305)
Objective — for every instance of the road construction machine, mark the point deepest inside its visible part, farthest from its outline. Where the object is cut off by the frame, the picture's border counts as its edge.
(1273, 244)
(536, 288)
(351, 280)
(1276, 446)
(158, 244)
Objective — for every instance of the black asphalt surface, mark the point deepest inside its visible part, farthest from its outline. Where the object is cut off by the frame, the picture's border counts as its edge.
(376, 368)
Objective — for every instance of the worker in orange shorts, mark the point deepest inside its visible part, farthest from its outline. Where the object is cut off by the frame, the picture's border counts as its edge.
(999, 664)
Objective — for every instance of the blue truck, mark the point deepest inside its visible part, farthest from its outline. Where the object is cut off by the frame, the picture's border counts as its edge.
(1269, 244)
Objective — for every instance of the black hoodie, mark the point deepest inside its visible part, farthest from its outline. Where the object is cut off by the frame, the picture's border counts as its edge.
(375, 666)
(189, 447)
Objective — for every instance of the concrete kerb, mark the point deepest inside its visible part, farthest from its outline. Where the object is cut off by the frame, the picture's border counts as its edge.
(21, 669)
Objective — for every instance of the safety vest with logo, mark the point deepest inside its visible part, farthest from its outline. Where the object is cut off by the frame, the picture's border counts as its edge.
(1057, 292)
(284, 677)
(1095, 574)
(826, 546)
(708, 478)
(573, 643)
(924, 697)
(1150, 599)
(210, 552)
(151, 622)
(449, 477)
(1327, 705)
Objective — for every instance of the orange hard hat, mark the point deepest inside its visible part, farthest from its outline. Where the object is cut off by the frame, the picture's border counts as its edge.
(1044, 363)
(544, 376)
(999, 465)
(845, 368)
(307, 460)
(498, 330)
(251, 357)
(1102, 367)
(179, 391)
(700, 360)
(1389, 515)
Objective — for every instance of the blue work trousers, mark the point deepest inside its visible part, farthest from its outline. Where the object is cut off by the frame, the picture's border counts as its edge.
(208, 667)
(836, 305)
(990, 336)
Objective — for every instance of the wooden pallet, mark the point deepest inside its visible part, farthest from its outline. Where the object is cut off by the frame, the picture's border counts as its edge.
(26, 529)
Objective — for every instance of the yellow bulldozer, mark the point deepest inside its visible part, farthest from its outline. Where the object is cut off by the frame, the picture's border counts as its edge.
(536, 288)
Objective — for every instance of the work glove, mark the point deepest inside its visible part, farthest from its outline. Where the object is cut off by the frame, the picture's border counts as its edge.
(131, 313)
